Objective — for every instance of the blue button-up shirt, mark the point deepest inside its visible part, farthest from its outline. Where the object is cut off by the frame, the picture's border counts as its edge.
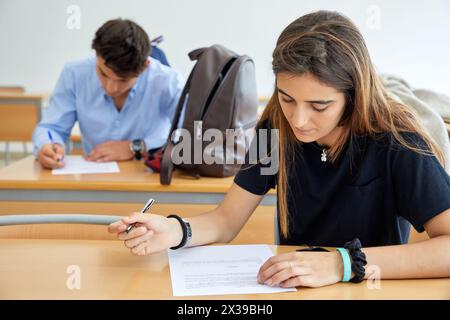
(78, 96)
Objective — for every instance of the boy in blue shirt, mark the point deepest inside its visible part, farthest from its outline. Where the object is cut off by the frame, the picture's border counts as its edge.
(123, 100)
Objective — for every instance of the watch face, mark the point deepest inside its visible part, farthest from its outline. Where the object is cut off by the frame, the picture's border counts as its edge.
(137, 145)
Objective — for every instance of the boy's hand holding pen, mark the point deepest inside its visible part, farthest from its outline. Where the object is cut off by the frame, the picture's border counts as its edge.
(54, 147)
(51, 155)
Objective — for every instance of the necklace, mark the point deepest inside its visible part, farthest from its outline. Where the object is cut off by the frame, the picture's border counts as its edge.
(323, 156)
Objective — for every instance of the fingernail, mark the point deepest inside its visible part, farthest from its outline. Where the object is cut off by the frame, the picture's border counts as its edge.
(268, 282)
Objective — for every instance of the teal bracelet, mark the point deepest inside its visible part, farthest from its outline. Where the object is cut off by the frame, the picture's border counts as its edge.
(347, 264)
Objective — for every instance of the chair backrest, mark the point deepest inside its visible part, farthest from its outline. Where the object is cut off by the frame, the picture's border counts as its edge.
(12, 89)
(17, 120)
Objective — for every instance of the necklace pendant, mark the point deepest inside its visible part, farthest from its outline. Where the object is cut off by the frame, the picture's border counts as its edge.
(323, 156)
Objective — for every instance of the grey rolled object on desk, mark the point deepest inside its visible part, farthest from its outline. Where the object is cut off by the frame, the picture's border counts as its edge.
(57, 218)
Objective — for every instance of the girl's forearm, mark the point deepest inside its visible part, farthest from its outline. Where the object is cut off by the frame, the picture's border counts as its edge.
(426, 259)
(206, 228)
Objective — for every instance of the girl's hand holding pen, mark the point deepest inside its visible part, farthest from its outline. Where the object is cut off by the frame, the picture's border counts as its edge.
(147, 207)
(152, 233)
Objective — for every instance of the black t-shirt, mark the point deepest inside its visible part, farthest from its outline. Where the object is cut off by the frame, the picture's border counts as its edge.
(373, 192)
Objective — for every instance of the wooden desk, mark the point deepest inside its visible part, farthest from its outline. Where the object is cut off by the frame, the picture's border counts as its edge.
(26, 188)
(37, 269)
(25, 180)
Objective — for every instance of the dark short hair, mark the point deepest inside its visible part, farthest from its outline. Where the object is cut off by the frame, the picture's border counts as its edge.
(124, 46)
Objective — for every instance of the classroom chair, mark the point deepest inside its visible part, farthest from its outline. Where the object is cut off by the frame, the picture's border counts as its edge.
(17, 122)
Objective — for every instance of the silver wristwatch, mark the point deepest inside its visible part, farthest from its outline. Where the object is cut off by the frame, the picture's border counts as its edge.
(137, 147)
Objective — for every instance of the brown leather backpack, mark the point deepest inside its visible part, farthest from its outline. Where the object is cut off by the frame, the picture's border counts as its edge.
(219, 94)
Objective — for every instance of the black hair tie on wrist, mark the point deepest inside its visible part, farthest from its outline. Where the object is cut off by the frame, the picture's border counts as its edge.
(185, 231)
(358, 260)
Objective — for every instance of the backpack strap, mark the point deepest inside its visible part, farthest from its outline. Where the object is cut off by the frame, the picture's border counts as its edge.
(166, 172)
(167, 167)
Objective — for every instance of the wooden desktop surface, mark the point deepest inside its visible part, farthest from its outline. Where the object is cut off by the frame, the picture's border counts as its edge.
(133, 176)
(38, 269)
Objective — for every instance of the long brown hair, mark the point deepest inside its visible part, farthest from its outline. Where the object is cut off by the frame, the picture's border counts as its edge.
(330, 47)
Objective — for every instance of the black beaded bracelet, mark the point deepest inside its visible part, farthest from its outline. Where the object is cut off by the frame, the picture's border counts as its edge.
(358, 260)
(184, 227)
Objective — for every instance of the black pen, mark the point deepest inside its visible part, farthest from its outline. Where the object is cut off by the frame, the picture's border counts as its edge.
(147, 206)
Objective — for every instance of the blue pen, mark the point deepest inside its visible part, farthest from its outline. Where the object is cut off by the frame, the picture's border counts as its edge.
(53, 144)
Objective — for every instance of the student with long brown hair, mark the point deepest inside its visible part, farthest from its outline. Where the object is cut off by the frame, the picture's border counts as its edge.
(356, 169)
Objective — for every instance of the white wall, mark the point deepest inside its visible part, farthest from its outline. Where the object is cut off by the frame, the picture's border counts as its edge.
(413, 38)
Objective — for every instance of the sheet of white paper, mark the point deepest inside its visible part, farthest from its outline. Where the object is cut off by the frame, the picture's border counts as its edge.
(77, 165)
(211, 270)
